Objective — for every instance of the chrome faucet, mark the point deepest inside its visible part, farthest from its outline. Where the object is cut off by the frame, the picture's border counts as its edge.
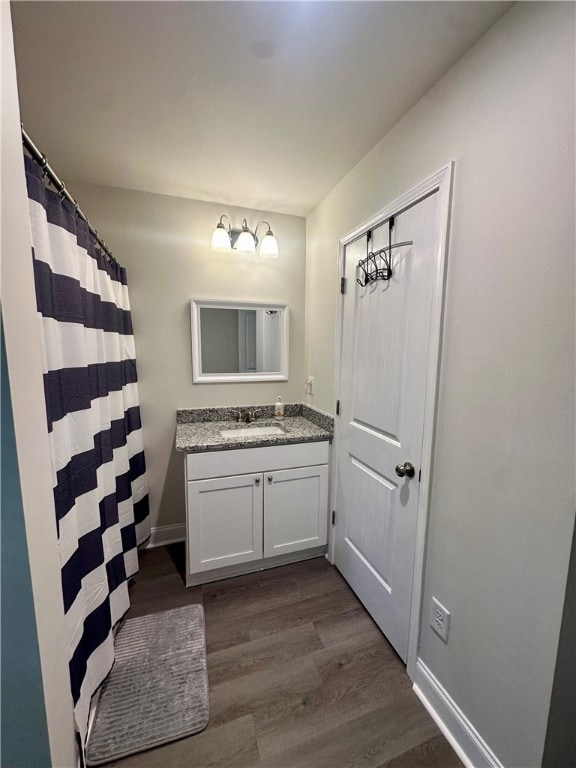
(250, 415)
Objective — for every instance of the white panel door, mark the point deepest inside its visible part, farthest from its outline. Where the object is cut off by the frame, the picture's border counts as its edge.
(295, 509)
(386, 331)
(224, 522)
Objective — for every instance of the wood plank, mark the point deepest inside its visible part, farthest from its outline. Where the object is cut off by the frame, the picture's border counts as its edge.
(232, 745)
(262, 690)
(346, 626)
(365, 741)
(255, 592)
(301, 572)
(161, 594)
(247, 596)
(159, 586)
(357, 676)
(365, 657)
(434, 753)
(321, 583)
(239, 661)
(159, 561)
(224, 633)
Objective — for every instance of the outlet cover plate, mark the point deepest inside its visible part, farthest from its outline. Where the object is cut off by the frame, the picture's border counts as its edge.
(439, 619)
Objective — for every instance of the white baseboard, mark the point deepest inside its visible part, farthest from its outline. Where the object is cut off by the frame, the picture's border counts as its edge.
(459, 731)
(166, 534)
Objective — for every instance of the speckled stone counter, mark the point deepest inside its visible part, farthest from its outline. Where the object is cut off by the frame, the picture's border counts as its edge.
(199, 429)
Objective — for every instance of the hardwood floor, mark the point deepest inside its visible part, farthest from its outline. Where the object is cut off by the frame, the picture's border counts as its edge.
(299, 675)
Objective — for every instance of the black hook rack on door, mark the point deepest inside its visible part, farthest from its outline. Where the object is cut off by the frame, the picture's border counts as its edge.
(369, 266)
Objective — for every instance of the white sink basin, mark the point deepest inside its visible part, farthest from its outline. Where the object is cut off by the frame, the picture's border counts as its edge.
(275, 429)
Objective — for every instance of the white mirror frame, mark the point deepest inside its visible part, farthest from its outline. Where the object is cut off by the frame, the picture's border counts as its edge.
(198, 377)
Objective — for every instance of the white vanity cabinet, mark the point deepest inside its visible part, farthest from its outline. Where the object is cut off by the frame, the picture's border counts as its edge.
(224, 521)
(252, 508)
(295, 509)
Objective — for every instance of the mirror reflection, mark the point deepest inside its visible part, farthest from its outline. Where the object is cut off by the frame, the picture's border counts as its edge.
(239, 341)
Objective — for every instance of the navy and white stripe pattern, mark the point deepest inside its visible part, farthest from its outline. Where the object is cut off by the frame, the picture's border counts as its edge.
(93, 421)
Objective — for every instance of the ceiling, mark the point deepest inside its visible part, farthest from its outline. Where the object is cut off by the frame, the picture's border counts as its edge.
(258, 104)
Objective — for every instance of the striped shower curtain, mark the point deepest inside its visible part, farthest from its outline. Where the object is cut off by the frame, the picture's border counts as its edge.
(93, 421)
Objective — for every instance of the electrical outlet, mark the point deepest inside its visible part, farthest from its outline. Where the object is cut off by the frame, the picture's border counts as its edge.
(309, 381)
(439, 619)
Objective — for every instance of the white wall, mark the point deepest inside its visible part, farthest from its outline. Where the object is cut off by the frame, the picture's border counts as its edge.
(502, 505)
(164, 243)
(22, 332)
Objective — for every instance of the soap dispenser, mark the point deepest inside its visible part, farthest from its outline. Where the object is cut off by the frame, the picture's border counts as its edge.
(279, 409)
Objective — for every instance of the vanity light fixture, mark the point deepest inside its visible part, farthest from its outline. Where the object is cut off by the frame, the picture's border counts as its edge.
(244, 241)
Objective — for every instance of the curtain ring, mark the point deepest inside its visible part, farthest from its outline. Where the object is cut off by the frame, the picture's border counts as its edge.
(62, 190)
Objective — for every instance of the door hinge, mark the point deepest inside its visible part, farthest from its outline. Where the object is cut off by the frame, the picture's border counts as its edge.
(337, 407)
(342, 285)
(419, 475)
(333, 517)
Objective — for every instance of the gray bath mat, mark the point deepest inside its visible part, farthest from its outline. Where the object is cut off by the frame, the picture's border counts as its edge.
(157, 690)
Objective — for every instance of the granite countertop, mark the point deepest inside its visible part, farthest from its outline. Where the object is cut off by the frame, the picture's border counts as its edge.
(199, 429)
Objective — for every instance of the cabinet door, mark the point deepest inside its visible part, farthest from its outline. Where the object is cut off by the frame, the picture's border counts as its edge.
(224, 525)
(295, 509)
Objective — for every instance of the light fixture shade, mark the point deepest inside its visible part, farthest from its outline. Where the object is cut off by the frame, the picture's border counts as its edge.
(245, 243)
(269, 246)
(220, 239)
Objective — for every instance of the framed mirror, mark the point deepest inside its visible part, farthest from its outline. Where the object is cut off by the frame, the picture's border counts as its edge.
(239, 341)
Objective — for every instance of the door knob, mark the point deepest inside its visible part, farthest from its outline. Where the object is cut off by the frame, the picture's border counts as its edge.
(257, 480)
(405, 470)
(270, 479)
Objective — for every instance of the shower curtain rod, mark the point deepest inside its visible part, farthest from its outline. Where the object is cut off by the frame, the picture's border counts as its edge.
(61, 188)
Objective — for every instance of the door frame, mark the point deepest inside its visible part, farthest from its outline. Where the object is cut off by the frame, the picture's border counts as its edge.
(441, 182)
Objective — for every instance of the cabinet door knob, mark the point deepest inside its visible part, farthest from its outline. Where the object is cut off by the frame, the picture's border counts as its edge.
(270, 479)
(257, 480)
